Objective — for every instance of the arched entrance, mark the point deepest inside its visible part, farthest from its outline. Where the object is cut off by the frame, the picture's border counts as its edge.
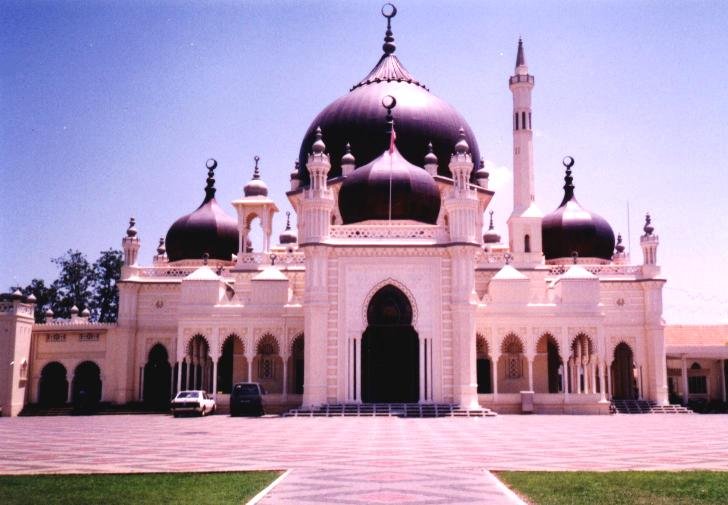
(624, 384)
(484, 373)
(157, 378)
(87, 385)
(295, 373)
(53, 387)
(232, 367)
(390, 350)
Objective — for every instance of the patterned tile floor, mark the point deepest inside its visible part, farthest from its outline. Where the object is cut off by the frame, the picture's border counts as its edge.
(366, 460)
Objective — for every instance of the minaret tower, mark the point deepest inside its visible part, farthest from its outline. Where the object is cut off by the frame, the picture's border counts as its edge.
(524, 225)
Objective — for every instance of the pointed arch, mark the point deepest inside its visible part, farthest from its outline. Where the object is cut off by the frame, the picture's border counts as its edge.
(295, 365)
(512, 364)
(53, 385)
(484, 367)
(547, 365)
(400, 286)
(232, 366)
(268, 363)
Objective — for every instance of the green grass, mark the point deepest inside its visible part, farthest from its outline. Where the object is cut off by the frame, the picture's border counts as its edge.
(149, 488)
(620, 488)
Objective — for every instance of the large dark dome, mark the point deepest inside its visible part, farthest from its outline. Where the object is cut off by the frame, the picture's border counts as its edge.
(365, 194)
(357, 118)
(206, 230)
(571, 228)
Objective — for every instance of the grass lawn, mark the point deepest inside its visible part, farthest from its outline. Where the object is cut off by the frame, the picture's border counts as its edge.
(149, 488)
(620, 488)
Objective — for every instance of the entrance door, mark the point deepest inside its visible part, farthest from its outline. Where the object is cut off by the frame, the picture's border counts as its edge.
(53, 389)
(624, 383)
(390, 350)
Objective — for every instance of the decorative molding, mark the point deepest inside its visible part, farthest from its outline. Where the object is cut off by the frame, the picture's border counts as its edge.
(397, 284)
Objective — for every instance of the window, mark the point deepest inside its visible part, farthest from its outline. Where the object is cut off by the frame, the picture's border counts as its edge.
(527, 243)
(529, 121)
(515, 120)
(523, 120)
(698, 385)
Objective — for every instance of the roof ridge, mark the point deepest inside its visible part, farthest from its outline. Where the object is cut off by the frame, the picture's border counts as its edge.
(388, 69)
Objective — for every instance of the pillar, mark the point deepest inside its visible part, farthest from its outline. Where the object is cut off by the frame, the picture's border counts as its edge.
(609, 379)
(188, 360)
(141, 383)
(722, 379)
(494, 372)
(423, 372)
(214, 378)
(172, 388)
(593, 365)
(530, 372)
(285, 377)
(357, 375)
(684, 380)
(602, 384)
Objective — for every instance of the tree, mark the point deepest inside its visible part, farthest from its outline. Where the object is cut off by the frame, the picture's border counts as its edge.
(106, 273)
(74, 283)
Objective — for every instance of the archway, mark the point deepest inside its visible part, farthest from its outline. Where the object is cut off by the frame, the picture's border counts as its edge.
(232, 367)
(295, 367)
(624, 384)
(157, 378)
(268, 365)
(547, 368)
(483, 366)
(512, 366)
(53, 387)
(197, 369)
(87, 385)
(390, 350)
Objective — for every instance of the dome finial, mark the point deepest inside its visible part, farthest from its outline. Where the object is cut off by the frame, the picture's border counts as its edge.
(491, 221)
(288, 220)
(131, 231)
(318, 146)
(462, 147)
(648, 228)
(161, 248)
(619, 248)
(211, 165)
(347, 160)
(568, 162)
(389, 103)
(256, 170)
(389, 11)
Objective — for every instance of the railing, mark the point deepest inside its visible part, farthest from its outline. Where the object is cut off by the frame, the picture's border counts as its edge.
(183, 269)
(490, 258)
(600, 269)
(392, 230)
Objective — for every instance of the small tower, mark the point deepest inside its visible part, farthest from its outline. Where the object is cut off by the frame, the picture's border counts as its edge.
(130, 244)
(288, 238)
(348, 162)
(431, 162)
(255, 203)
(619, 257)
(481, 175)
(295, 178)
(524, 224)
(161, 256)
(462, 204)
(649, 242)
(318, 200)
(16, 325)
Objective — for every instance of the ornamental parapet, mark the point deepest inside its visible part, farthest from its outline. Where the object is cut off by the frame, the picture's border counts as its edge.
(391, 230)
(599, 269)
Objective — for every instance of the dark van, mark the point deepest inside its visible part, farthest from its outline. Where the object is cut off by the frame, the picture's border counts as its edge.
(247, 398)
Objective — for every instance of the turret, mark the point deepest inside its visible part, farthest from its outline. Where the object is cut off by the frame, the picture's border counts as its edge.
(649, 242)
(318, 200)
(462, 204)
(130, 245)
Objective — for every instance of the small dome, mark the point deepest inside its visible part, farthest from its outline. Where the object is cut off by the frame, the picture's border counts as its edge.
(49, 313)
(430, 157)
(481, 173)
(288, 236)
(365, 194)
(573, 229)
(85, 313)
(206, 230)
(348, 158)
(256, 186)
(491, 236)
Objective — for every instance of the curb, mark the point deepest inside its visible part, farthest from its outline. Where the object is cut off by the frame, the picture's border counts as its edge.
(507, 492)
(255, 499)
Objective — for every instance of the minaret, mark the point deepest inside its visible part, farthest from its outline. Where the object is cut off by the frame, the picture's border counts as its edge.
(521, 85)
(649, 242)
(524, 224)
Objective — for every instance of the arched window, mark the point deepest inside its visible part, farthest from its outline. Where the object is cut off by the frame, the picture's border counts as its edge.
(527, 243)
(523, 120)
(483, 365)
(515, 120)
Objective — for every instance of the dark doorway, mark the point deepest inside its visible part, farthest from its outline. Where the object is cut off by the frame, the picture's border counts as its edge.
(390, 350)
(624, 384)
(554, 363)
(297, 363)
(484, 375)
(86, 385)
(53, 388)
(157, 378)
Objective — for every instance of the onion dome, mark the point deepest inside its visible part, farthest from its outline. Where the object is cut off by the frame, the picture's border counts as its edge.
(206, 230)
(389, 187)
(491, 236)
(74, 310)
(161, 248)
(288, 236)
(573, 229)
(356, 118)
(648, 228)
(430, 157)
(31, 298)
(49, 313)
(256, 186)
(481, 174)
(17, 294)
(619, 248)
(348, 158)
(131, 232)
(85, 313)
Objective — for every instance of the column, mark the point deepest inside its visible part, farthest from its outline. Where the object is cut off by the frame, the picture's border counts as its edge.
(423, 372)
(357, 374)
(188, 360)
(285, 378)
(609, 380)
(249, 359)
(214, 378)
(171, 379)
(593, 365)
(141, 383)
(602, 385)
(179, 374)
(530, 372)
(722, 379)
(641, 386)
(494, 372)
(684, 380)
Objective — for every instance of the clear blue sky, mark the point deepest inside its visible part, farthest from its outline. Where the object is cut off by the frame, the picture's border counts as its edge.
(110, 109)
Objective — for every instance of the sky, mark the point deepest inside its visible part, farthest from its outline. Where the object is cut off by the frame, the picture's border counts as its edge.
(110, 109)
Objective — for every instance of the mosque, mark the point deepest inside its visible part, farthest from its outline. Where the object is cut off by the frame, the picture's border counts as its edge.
(393, 289)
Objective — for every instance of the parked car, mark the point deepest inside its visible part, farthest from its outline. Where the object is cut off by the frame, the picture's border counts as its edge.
(247, 398)
(192, 402)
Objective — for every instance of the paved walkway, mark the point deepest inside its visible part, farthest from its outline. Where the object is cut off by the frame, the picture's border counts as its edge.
(366, 460)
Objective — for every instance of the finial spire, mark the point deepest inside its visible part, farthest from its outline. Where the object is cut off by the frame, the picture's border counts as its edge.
(619, 248)
(648, 228)
(288, 221)
(211, 165)
(491, 221)
(161, 248)
(256, 170)
(520, 56)
(389, 11)
(318, 144)
(131, 231)
(462, 147)
(389, 103)
(568, 162)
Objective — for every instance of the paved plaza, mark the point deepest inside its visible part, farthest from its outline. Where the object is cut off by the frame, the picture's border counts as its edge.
(366, 460)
